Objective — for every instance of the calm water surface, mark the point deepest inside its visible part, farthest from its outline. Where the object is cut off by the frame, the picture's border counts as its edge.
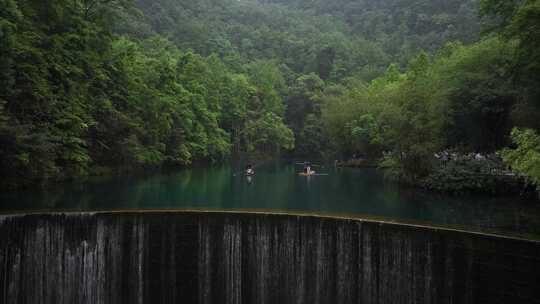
(276, 187)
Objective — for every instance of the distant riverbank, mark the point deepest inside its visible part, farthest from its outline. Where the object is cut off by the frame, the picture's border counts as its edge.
(455, 174)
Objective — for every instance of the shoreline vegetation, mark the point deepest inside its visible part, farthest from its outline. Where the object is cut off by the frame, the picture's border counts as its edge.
(97, 87)
(454, 173)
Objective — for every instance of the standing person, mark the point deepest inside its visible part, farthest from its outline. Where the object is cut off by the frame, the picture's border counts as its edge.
(307, 168)
(249, 170)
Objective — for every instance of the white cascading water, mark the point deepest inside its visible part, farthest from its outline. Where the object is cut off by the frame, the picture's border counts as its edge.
(247, 258)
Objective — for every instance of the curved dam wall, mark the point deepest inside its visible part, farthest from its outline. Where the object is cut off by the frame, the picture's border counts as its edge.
(195, 257)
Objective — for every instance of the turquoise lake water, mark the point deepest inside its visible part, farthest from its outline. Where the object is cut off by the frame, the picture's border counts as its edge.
(277, 187)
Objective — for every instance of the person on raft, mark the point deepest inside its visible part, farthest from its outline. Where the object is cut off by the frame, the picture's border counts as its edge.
(307, 168)
(249, 170)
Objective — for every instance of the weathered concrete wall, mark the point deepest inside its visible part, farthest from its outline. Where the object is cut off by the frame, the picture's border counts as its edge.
(249, 258)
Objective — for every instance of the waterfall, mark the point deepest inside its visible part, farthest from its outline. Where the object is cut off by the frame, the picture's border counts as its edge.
(199, 257)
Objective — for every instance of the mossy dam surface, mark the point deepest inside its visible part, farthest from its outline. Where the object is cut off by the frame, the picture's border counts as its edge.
(230, 257)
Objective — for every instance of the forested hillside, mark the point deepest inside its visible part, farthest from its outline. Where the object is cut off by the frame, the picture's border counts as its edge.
(77, 99)
(91, 86)
(331, 38)
(314, 43)
(400, 27)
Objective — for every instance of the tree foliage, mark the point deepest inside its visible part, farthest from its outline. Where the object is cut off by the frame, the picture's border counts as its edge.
(525, 157)
(92, 85)
(77, 97)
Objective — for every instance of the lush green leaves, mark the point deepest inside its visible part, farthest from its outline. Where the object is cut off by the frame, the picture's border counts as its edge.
(92, 84)
(75, 97)
(525, 158)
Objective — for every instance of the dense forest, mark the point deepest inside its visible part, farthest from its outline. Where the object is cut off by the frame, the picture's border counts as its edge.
(435, 92)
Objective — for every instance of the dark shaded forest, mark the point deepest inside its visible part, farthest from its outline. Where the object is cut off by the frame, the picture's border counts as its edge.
(112, 86)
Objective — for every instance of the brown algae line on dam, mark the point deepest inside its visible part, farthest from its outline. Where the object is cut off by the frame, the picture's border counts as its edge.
(303, 214)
